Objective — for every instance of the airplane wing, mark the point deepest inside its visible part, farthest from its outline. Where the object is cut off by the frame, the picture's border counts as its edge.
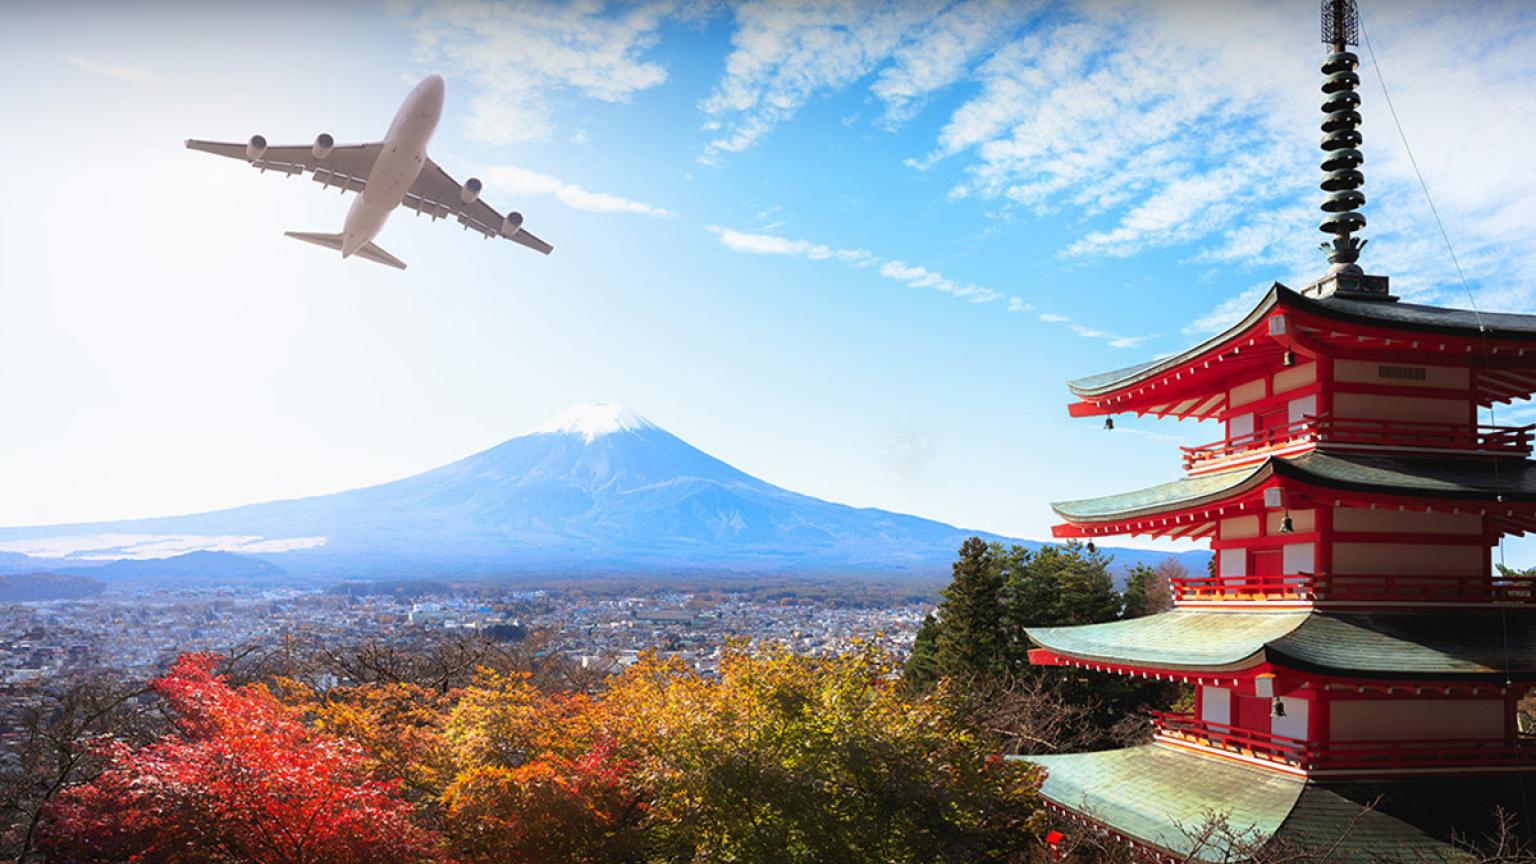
(347, 165)
(439, 196)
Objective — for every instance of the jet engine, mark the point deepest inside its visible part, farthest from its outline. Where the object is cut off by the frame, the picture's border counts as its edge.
(255, 148)
(511, 224)
(322, 146)
(471, 190)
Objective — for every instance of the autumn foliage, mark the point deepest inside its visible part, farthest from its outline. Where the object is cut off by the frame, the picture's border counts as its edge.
(778, 759)
(239, 779)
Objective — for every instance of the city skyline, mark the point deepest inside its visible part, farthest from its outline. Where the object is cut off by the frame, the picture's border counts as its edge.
(853, 253)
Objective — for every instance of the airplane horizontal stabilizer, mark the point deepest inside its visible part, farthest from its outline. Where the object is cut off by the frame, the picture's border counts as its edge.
(370, 252)
(373, 253)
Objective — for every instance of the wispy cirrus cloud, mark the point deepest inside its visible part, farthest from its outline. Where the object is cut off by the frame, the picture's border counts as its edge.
(1158, 126)
(911, 275)
(523, 56)
(117, 71)
(521, 181)
(783, 53)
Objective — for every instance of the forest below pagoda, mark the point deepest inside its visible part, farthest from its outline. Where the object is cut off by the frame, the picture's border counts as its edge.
(473, 750)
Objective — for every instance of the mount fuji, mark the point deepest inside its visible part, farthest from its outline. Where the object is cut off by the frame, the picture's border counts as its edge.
(598, 489)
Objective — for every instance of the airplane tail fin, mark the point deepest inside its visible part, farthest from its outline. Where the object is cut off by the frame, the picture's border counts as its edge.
(370, 252)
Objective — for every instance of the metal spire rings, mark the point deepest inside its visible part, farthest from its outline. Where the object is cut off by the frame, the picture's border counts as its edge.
(1341, 135)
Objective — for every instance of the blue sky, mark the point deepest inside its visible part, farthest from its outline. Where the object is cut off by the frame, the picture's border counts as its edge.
(852, 248)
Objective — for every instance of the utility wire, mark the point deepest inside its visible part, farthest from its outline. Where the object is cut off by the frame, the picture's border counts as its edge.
(1482, 330)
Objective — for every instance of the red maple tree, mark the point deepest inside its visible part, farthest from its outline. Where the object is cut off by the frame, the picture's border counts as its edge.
(241, 780)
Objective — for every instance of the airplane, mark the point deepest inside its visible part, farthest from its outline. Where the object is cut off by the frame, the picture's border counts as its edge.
(387, 173)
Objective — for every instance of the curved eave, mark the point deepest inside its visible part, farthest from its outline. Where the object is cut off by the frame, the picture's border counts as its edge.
(1474, 479)
(1467, 479)
(1376, 314)
(1176, 641)
(1182, 494)
(1159, 797)
(1109, 382)
(1482, 646)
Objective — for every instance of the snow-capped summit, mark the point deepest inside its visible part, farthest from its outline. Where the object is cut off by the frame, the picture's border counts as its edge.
(593, 420)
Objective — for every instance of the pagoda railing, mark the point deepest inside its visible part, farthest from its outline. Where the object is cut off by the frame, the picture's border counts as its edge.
(1515, 440)
(1223, 736)
(1250, 444)
(1355, 587)
(1354, 755)
(1352, 432)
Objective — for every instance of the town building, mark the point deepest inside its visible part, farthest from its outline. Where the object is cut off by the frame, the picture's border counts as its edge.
(1355, 658)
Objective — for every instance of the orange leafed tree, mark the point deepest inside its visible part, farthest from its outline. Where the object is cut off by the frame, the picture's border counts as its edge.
(241, 779)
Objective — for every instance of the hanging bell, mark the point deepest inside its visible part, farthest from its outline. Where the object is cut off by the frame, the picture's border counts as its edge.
(1109, 424)
(1286, 525)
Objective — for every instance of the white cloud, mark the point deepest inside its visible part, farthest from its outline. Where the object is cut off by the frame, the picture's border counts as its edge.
(1226, 313)
(119, 71)
(139, 547)
(522, 182)
(786, 51)
(921, 277)
(1017, 304)
(1162, 126)
(524, 57)
(908, 274)
(770, 244)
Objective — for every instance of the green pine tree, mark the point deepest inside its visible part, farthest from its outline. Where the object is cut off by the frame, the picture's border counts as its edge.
(921, 669)
(970, 643)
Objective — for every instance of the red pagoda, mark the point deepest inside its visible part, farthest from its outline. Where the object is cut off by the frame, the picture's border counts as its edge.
(1356, 663)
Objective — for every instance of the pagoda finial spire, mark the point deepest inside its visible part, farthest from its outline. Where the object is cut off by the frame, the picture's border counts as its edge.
(1341, 137)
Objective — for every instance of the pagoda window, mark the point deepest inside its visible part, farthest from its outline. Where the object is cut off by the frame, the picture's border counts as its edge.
(1252, 391)
(1302, 521)
(1299, 409)
(1239, 527)
(1407, 559)
(1296, 376)
(1291, 718)
(1216, 705)
(1366, 520)
(1239, 426)
(1298, 558)
(1396, 375)
(1233, 562)
(1416, 719)
(1414, 409)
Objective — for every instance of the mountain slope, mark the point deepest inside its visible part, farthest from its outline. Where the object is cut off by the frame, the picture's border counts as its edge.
(597, 489)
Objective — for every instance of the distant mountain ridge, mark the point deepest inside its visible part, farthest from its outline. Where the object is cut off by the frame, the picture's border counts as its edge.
(33, 587)
(598, 489)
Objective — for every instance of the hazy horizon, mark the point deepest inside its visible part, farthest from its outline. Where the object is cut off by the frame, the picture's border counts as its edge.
(853, 252)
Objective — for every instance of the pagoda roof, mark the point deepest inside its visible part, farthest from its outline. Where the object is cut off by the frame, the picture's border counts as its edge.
(1472, 479)
(1401, 645)
(1377, 313)
(1360, 323)
(1161, 797)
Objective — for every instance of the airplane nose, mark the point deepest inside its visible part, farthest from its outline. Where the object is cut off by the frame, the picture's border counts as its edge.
(350, 244)
(435, 85)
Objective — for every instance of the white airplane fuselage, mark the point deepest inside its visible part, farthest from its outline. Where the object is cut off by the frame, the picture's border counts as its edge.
(400, 160)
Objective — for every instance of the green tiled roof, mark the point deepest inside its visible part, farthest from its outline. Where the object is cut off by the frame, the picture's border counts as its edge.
(1160, 498)
(1159, 795)
(1471, 479)
(1178, 639)
(1162, 797)
(1376, 313)
(1413, 644)
(1457, 645)
(1474, 478)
